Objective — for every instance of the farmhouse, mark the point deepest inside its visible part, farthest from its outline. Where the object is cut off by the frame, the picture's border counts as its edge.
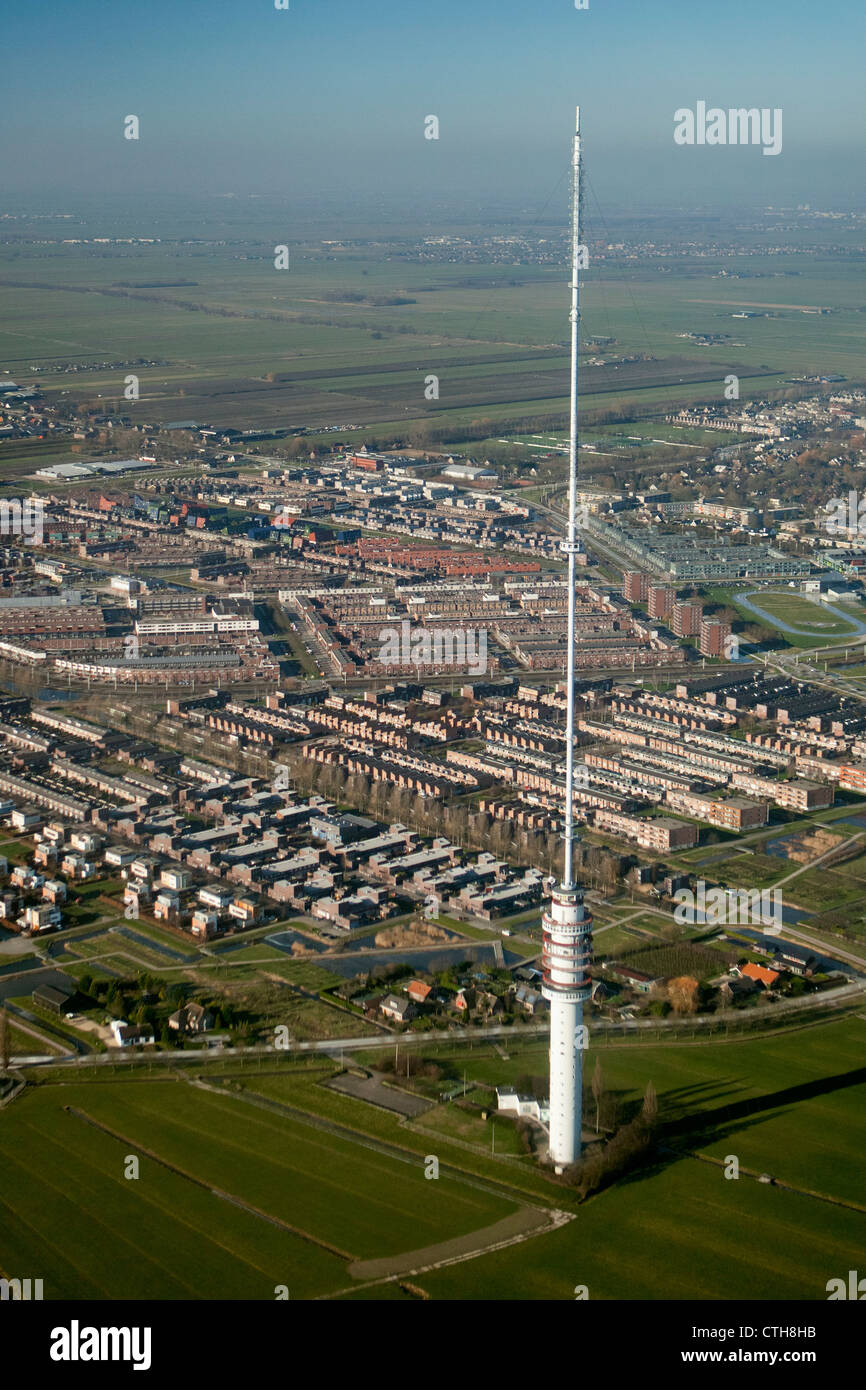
(130, 1034)
(635, 979)
(761, 974)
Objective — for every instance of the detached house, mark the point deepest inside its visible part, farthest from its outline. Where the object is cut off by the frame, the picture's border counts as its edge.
(130, 1034)
(418, 992)
(191, 1018)
(401, 1010)
(204, 924)
(248, 912)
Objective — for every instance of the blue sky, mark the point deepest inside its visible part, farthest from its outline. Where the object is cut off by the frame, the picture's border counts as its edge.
(236, 96)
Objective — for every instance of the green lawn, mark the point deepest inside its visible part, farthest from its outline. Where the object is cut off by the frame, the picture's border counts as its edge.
(453, 1121)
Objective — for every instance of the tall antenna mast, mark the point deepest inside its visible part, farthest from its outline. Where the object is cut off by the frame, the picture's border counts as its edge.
(571, 545)
(567, 926)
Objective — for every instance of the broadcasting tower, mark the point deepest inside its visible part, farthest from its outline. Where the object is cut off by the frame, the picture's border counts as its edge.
(567, 948)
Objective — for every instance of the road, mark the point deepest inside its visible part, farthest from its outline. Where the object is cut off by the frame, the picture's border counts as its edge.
(830, 999)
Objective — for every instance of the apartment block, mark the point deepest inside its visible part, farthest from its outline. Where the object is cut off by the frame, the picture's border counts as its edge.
(661, 599)
(731, 813)
(635, 586)
(852, 777)
(714, 635)
(798, 795)
(660, 833)
(687, 619)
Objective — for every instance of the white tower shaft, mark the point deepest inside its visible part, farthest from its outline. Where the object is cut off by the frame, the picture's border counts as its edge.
(567, 950)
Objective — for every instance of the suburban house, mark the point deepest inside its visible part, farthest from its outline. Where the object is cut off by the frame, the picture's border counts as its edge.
(532, 1001)
(761, 974)
(418, 992)
(247, 911)
(131, 1034)
(191, 1018)
(401, 1010)
(41, 917)
(204, 924)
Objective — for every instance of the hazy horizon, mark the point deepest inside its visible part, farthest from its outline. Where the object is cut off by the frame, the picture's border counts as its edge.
(327, 100)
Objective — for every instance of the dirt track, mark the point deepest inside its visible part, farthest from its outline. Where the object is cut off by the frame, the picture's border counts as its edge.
(519, 1226)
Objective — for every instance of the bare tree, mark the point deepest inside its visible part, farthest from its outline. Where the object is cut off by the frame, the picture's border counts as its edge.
(683, 994)
(4, 1039)
(650, 1107)
(597, 1089)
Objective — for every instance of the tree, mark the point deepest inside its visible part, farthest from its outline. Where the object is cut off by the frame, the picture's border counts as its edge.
(650, 1107)
(683, 994)
(4, 1039)
(597, 1089)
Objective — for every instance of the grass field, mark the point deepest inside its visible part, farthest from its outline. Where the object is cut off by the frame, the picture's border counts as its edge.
(349, 338)
(164, 1236)
(810, 619)
(791, 1104)
(681, 1233)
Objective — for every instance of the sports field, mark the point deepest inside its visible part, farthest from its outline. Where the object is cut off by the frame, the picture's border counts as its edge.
(808, 618)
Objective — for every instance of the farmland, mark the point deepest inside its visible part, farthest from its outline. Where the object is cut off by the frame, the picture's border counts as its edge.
(238, 1194)
(681, 1233)
(349, 336)
(337, 1201)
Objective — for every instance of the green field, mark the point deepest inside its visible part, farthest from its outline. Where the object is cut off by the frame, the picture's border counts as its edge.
(682, 1233)
(351, 1184)
(683, 1230)
(810, 619)
(349, 337)
(164, 1236)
